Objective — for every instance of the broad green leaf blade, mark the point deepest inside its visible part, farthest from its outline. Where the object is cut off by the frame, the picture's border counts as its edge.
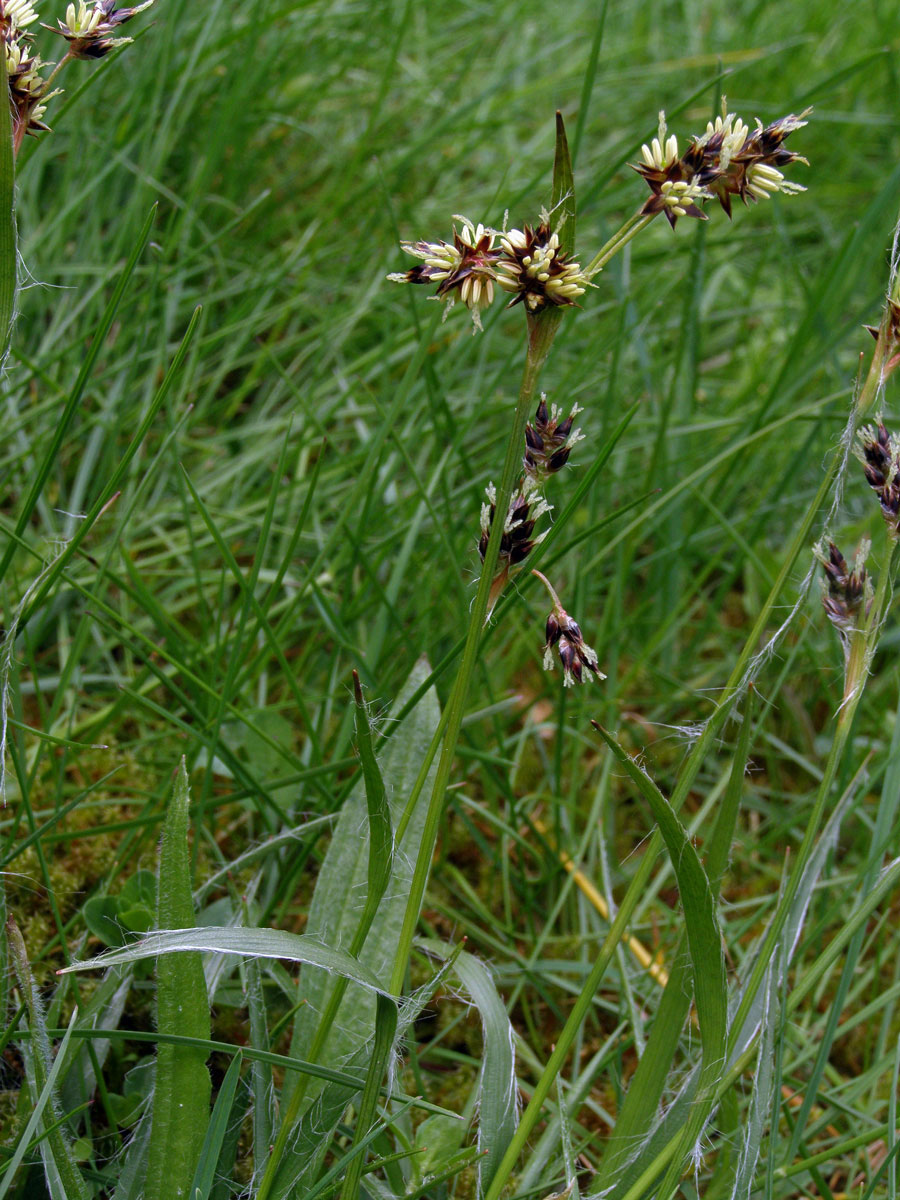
(215, 1133)
(8, 250)
(705, 945)
(251, 943)
(64, 1180)
(339, 899)
(182, 1088)
(562, 204)
(497, 1079)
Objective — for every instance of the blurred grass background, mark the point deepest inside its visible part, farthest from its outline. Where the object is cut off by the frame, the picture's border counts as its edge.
(288, 147)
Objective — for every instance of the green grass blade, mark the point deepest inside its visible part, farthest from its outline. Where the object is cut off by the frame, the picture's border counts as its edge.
(74, 398)
(704, 940)
(381, 848)
(8, 248)
(182, 1086)
(497, 1080)
(562, 204)
(252, 943)
(215, 1133)
(64, 1180)
(382, 1045)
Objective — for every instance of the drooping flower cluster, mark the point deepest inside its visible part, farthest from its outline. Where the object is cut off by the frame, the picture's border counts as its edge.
(563, 635)
(847, 592)
(727, 160)
(527, 262)
(880, 455)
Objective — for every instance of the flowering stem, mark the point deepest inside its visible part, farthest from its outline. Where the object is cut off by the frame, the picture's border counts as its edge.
(620, 238)
(553, 596)
(541, 331)
(66, 58)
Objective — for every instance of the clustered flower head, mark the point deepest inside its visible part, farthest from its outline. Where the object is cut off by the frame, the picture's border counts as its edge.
(28, 89)
(563, 635)
(526, 506)
(88, 29)
(847, 592)
(727, 160)
(880, 455)
(527, 262)
(549, 440)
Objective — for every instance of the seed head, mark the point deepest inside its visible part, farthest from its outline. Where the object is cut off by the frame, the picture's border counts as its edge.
(549, 440)
(526, 506)
(27, 91)
(879, 452)
(847, 592)
(563, 635)
(533, 267)
(464, 267)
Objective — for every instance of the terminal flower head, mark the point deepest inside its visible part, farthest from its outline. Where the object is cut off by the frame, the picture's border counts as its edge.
(464, 268)
(536, 271)
(87, 29)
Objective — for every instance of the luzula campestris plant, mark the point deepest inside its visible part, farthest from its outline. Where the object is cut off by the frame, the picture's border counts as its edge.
(537, 265)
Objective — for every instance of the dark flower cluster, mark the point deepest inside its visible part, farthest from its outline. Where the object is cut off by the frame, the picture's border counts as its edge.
(728, 160)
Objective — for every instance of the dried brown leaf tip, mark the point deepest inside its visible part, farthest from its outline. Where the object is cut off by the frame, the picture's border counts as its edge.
(879, 452)
(727, 160)
(847, 592)
(549, 440)
(563, 635)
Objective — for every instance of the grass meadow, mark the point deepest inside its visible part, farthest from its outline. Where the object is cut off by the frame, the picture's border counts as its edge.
(658, 958)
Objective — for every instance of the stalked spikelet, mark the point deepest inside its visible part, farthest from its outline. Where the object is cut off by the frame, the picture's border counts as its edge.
(563, 635)
(549, 440)
(879, 452)
(536, 271)
(727, 160)
(464, 268)
(847, 593)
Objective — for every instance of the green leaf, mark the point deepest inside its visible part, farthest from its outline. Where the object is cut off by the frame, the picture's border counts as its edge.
(182, 1088)
(497, 1079)
(8, 251)
(707, 959)
(381, 845)
(562, 204)
(64, 1180)
(227, 939)
(385, 1029)
(215, 1133)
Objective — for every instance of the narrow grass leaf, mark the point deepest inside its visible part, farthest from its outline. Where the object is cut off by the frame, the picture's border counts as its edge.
(380, 837)
(497, 1079)
(9, 259)
(215, 1133)
(382, 1045)
(250, 943)
(182, 1086)
(64, 1180)
(705, 945)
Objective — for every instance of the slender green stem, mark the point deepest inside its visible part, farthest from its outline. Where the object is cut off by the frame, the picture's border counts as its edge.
(620, 238)
(541, 331)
